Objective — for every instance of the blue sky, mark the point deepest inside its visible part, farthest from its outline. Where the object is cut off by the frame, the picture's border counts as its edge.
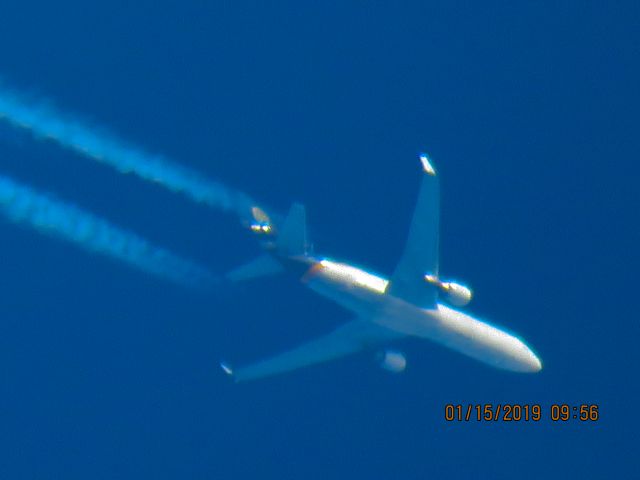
(529, 112)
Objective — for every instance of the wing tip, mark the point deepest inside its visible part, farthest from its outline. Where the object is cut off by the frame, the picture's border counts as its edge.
(227, 369)
(427, 167)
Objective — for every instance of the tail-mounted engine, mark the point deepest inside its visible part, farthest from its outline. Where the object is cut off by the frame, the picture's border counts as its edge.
(454, 293)
(260, 222)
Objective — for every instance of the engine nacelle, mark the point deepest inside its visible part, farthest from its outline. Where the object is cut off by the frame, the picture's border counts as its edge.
(457, 294)
(454, 293)
(392, 361)
(259, 222)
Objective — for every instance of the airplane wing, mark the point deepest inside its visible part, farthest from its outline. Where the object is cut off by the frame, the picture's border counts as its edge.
(420, 255)
(352, 337)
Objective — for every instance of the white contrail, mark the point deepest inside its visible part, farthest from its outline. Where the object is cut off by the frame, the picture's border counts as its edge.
(24, 205)
(43, 120)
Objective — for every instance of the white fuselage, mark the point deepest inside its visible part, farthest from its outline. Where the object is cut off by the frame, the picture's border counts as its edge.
(365, 295)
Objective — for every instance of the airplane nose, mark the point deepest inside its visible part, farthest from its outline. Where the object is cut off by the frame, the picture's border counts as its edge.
(534, 362)
(527, 360)
(537, 364)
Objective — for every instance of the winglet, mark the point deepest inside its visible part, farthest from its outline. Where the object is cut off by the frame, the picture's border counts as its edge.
(226, 368)
(426, 164)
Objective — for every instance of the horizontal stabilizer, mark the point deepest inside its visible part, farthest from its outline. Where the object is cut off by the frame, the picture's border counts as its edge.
(261, 266)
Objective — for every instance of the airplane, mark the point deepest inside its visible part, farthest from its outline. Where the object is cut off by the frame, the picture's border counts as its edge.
(413, 302)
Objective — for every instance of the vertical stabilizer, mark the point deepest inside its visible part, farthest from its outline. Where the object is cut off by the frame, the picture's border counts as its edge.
(292, 239)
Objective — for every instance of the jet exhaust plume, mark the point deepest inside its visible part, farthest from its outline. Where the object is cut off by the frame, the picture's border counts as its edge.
(44, 121)
(24, 205)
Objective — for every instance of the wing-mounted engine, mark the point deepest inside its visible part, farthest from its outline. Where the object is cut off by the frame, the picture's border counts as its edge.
(392, 361)
(453, 293)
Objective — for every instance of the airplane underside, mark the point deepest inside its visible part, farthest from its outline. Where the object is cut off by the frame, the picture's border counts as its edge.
(442, 324)
(407, 304)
